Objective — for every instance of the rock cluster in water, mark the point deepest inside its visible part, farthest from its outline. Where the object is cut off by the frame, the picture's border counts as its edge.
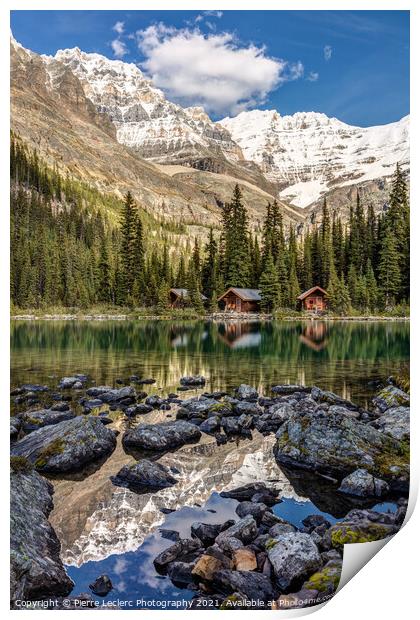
(263, 561)
(259, 556)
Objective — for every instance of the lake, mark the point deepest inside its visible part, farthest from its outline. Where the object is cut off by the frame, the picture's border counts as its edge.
(108, 529)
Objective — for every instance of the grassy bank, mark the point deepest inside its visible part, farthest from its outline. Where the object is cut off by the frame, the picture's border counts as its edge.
(106, 312)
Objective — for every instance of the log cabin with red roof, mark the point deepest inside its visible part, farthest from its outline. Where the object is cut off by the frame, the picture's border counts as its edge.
(314, 300)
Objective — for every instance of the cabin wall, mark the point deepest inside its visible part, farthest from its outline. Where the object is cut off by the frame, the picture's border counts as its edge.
(233, 303)
(315, 302)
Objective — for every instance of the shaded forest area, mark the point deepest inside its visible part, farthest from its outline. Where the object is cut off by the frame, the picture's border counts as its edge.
(73, 246)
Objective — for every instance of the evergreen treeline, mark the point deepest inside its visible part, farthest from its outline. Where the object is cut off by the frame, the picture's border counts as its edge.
(66, 251)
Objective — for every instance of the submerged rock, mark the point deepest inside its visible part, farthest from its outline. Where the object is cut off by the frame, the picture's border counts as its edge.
(36, 568)
(294, 556)
(101, 586)
(248, 491)
(66, 446)
(163, 436)
(192, 380)
(289, 389)
(362, 484)
(144, 475)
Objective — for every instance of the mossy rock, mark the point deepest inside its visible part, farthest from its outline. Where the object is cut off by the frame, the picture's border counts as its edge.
(325, 580)
(55, 447)
(271, 542)
(20, 464)
(350, 533)
(222, 406)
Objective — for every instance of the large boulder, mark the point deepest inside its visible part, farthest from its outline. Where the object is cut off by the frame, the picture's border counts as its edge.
(394, 422)
(66, 446)
(323, 396)
(144, 476)
(336, 444)
(361, 483)
(293, 556)
(33, 420)
(36, 568)
(390, 397)
(160, 437)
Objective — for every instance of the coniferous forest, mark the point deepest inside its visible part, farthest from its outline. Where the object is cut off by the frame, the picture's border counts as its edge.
(72, 246)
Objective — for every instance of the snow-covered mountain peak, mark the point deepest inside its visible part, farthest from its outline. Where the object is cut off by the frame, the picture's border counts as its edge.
(308, 153)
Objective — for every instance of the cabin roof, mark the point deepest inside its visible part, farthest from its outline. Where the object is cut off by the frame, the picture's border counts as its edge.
(183, 292)
(310, 291)
(246, 294)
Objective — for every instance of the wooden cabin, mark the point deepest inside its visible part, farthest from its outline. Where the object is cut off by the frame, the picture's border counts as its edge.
(240, 300)
(179, 297)
(314, 300)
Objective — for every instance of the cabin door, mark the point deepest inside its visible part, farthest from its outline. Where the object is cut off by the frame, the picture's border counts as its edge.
(238, 305)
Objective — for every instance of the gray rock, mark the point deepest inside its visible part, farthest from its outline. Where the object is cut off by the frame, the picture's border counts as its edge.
(36, 568)
(254, 509)
(60, 406)
(163, 436)
(281, 528)
(143, 476)
(248, 408)
(289, 389)
(359, 526)
(180, 573)
(154, 401)
(294, 557)
(244, 530)
(337, 444)
(394, 422)
(33, 420)
(208, 532)
(330, 398)
(193, 380)
(361, 483)
(139, 409)
(211, 425)
(246, 392)
(67, 383)
(115, 396)
(390, 397)
(253, 586)
(66, 446)
(184, 550)
(247, 491)
(15, 425)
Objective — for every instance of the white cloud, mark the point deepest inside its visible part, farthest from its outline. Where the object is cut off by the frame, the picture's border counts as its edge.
(119, 48)
(212, 70)
(313, 76)
(118, 27)
(218, 14)
(328, 50)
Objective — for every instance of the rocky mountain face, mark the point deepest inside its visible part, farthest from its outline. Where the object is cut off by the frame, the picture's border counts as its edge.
(309, 154)
(104, 122)
(51, 112)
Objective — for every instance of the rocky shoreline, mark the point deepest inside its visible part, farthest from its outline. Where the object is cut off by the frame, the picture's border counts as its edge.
(362, 453)
(216, 317)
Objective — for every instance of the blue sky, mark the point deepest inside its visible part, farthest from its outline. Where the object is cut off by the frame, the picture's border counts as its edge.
(350, 64)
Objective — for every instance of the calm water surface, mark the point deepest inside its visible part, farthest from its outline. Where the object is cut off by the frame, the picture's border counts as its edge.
(107, 529)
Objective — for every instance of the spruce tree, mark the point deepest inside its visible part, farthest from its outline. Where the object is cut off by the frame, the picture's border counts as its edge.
(269, 286)
(389, 275)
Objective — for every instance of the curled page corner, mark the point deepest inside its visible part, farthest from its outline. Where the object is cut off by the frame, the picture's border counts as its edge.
(356, 556)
